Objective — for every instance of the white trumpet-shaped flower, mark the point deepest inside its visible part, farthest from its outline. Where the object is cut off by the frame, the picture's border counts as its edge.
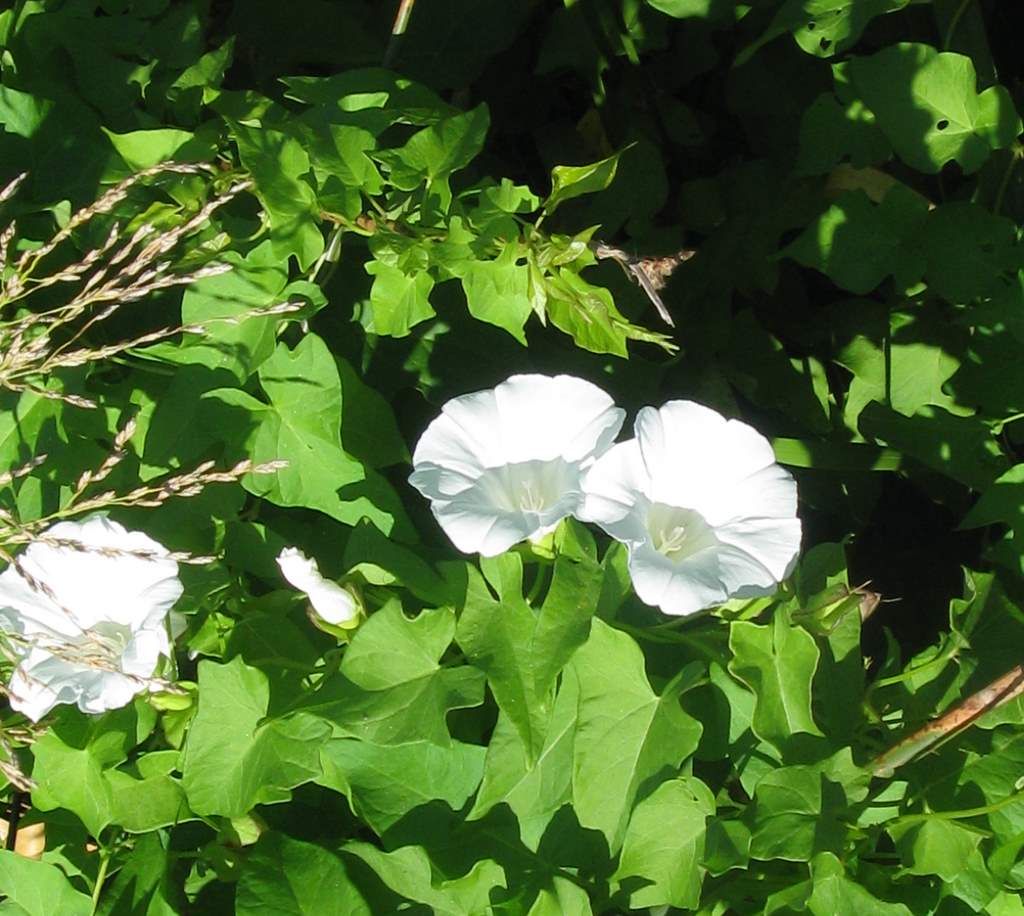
(504, 465)
(703, 509)
(331, 603)
(83, 613)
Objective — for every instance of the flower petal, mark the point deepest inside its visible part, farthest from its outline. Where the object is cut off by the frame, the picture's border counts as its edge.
(773, 542)
(559, 417)
(42, 681)
(504, 465)
(613, 486)
(527, 417)
(331, 601)
(99, 581)
(695, 456)
(92, 632)
(704, 579)
(669, 586)
(142, 654)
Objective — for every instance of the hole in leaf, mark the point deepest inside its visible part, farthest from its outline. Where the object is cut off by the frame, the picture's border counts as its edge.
(825, 43)
(811, 26)
(942, 125)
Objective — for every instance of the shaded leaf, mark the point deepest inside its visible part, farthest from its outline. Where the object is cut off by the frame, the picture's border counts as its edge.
(287, 877)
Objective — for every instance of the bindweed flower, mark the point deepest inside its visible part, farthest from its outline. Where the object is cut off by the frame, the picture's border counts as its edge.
(703, 509)
(332, 604)
(83, 610)
(504, 465)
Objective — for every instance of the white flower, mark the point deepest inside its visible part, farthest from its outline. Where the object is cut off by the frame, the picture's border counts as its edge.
(332, 603)
(86, 621)
(503, 465)
(701, 505)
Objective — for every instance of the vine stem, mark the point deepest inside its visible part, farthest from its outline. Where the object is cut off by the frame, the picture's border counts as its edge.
(1000, 691)
(961, 814)
(398, 30)
(997, 204)
(101, 877)
(953, 23)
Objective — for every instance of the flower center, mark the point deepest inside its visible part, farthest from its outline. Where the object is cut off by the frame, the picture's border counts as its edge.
(531, 499)
(533, 487)
(670, 541)
(678, 533)
(106, 641)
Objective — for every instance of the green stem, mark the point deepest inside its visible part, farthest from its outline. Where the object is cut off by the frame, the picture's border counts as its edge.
(953, 23)
(652, 634)
(962, 814)
(997, 204)
(101, 877)
(1000, 425)
(942, 659)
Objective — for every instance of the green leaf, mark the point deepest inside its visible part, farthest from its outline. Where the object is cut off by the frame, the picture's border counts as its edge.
(234, 757)
(408, 873)
(23, 418)
(145, 883)
(563, 898)
(382, 96)
(533, 789)
(933, 846)
(760, 367)
(286, 877)
(522, 651)
(625, 732)
(963, 448)
(278, 164)
(497, 292)
(301, 425)
(409, 702)
(382, 561)
(777, 662)
(391, 649)
(399, 301)
(237, 344)
(588, 314)
(343, 169)
(798, 813)
(685, 9)
(202, 80)
(1000, 503)
(726, 846)
(35, 888)
(386, 782)
(664, 845)
(970, 252)
(568, 181)
(990, 375)
(141, 149)
(141, 805)
(439, 150)
(72, 778)
(368, 426)
(824, 27)
(858, 244)
(831, 133)
(909, 376)
(22, 113)
(938, 115)
(836, 895)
